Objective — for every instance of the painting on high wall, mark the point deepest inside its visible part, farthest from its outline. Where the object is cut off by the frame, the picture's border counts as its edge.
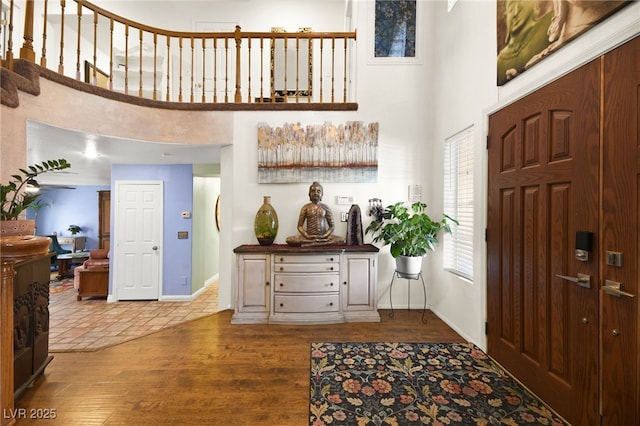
(530, 30)
(295, 153)
(395, 29)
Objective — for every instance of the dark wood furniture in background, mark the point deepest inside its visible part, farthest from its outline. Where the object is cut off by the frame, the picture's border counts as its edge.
(94, 281)
(6, 340)
(76, 243)
(104, 218)
(31, 321)
(92, 277)
(66, 262)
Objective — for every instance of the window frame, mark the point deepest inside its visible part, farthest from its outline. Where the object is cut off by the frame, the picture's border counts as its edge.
(458, 188)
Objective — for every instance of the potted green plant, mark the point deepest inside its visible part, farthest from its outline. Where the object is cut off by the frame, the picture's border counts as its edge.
(15, 200)
(410, 232)
(74, 229)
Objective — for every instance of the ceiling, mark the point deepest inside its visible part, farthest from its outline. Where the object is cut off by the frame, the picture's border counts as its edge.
(46, 142)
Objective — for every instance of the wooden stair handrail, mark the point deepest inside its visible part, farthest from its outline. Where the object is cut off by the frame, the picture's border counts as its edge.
(148, 37)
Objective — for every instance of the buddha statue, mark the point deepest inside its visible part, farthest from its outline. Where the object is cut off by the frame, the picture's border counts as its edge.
(315, 223)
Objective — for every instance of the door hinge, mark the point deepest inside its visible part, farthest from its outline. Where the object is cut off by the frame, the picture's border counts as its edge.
(486, 328)
(488, 141)
(486, 235)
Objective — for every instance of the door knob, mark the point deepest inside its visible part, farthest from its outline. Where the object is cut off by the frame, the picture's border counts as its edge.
(154, 248)
(583, 280)
(615, 289)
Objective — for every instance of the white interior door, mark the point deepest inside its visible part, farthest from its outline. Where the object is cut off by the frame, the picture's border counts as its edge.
(138, 240)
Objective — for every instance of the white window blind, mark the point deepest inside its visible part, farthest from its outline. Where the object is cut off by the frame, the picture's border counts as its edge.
(458, 202)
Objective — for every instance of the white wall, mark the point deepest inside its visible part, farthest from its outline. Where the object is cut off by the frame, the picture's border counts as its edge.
(402, 111)
(251, 15)
(466, 93)
(205, 263)
(464, 85)
(417, 105)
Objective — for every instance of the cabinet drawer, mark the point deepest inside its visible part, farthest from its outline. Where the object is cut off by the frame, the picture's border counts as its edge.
(298, 283)
(306, 303)
(311, 258)
(307, 267)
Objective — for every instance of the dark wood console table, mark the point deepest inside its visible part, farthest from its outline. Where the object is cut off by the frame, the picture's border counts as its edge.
(31, 320)
(7, 275)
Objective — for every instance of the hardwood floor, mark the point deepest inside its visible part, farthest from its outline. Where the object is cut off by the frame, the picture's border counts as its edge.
(205, 372)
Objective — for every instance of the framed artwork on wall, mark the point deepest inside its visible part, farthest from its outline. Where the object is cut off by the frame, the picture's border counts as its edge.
(395, 37)
(295, 153)
(528, 31)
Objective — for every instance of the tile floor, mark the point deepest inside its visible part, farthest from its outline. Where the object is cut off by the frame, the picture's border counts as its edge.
(92, 323)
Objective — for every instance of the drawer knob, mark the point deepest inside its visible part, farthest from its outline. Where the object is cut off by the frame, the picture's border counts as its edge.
(267, 282)
(281, 285)
(331, 304)
(331, 259)
(281, 268)
(345, 283)
(282, 259)
(331, 284)
(332, 268)
(281, 305)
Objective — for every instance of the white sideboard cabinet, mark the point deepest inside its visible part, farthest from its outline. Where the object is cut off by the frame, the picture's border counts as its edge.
(282, 284)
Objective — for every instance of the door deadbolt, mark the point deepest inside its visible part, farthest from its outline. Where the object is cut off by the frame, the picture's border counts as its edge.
(614, 258)
(584, 245)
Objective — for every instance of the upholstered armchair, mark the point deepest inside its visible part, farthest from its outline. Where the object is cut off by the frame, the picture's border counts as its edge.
(92, 278)
(56, 248)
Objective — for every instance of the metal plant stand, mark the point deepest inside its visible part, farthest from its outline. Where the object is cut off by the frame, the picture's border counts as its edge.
(409, 277)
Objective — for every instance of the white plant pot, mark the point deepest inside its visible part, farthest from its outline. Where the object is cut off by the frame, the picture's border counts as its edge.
(408, 267)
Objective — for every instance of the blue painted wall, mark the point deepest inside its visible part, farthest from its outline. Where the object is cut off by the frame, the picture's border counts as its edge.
(64, 207)
(178, 197)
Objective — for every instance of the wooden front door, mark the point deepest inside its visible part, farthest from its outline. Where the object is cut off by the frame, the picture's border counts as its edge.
(621, 237)
(544, 159)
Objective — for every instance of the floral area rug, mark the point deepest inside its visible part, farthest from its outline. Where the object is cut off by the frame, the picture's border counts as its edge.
(417, 383)
(56, 286)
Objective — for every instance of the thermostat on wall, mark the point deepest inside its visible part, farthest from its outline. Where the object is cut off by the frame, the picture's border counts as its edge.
(344, 199)
(415, 193)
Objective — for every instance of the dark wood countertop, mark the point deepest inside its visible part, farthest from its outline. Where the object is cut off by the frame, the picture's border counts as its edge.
(285, 248)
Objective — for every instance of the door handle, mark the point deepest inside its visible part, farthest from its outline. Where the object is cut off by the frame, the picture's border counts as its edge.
(614, 289)
(583, 280)
(154, 248)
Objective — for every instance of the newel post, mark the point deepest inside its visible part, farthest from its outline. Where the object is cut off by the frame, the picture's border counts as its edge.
(6, 342)
(238, 37)
(26, 51)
